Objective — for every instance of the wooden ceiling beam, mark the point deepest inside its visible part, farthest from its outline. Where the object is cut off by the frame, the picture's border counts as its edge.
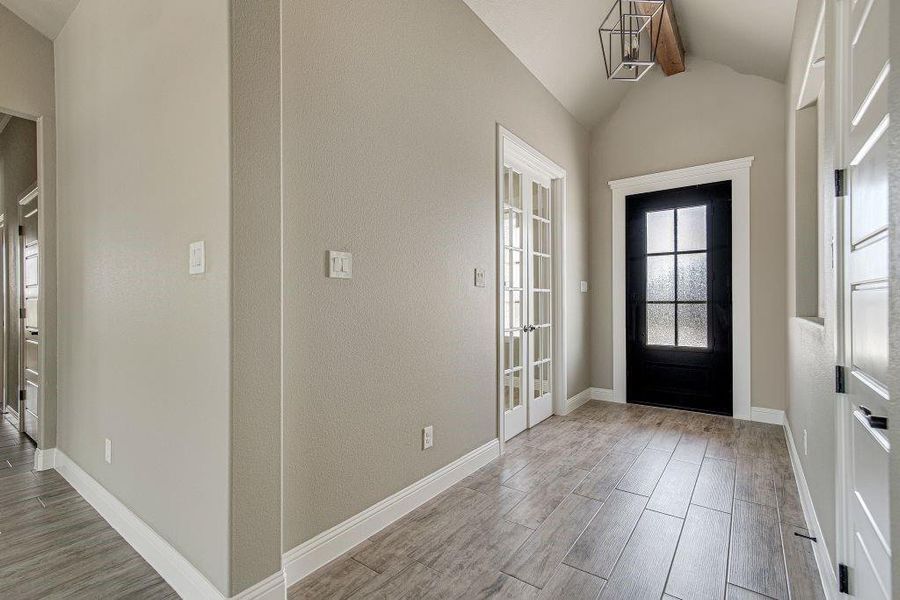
(670, 50)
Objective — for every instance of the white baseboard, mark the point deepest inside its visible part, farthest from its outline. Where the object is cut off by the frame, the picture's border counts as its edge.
(271, 588)
(44, 460)
(577, 400)
(178, 571)
(820, 548)
(767, 415)
(604, 394)
(328, 545)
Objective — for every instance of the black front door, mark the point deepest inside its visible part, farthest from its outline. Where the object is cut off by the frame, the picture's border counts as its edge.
(679, 298)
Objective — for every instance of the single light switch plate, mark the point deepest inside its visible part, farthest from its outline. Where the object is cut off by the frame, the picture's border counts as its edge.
(428, 437)
(479, 277)
(340, 265)
(584, 286)
(107, 452)
(197, 260)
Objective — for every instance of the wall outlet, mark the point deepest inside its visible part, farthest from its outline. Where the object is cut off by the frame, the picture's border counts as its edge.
(107, 451)
(805, 450)
(428, 437)
(584, 286)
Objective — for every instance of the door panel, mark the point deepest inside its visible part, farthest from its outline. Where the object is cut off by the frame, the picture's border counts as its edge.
(528, 298)
(541, 250)
(678, 280)
(864, 272)
(514, 301)
(29, 296)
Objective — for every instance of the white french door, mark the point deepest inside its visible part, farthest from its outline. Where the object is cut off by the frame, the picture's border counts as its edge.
(527, 297)
(864, 273)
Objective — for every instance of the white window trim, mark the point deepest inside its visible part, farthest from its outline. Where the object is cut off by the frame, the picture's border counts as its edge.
(738, 172)
(509, 144)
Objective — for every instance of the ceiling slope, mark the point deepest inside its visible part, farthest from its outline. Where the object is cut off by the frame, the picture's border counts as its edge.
(558, 42)
(47, 16)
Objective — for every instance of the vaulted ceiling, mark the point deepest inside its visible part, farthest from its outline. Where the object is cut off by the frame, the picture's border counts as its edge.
(558, 42)
(47, 16)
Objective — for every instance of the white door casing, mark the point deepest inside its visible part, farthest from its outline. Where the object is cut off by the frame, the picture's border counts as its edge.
(738, 172)
(864, 522)
(531, 272)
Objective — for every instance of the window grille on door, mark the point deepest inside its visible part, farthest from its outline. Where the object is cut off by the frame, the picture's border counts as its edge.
(677, 294)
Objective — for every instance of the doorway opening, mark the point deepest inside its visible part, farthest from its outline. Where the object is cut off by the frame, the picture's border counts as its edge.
(530, 284)
(737, 172)
(679, 322)
(20, 274)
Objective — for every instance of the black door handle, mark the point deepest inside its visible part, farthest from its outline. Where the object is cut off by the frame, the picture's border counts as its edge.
(875, 422)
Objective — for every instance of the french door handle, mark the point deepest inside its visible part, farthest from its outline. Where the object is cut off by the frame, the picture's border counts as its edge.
(875, 422)
(529, 328)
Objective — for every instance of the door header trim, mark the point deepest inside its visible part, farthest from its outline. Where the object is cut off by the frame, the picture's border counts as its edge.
(688, 173)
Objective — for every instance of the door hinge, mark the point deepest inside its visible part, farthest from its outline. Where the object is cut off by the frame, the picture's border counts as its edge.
(21, 230)
(840, 182)
(21, 394)
(840, 379)
(21, 313)
(843, 579)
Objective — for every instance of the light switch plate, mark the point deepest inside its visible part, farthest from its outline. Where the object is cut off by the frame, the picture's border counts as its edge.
(584, 286)
(197, 258)
(428, 437)
(107, 451)
(479, 277)
(340, 265)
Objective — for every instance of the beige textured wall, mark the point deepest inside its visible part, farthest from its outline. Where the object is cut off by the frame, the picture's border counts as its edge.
(18, 171)
(255, 292)
(143, 125)
(811, 402)
(708, 114)
(27, 90)
(390, 113)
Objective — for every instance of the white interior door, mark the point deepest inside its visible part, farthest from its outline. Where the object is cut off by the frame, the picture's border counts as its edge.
(865, 278)
(527, 297)
(29, 336)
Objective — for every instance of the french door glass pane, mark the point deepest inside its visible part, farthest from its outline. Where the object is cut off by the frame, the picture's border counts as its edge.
(692, 276)
(516, 383)
(515, 190)
(661, 278)
(692, 326)
(660, 231)
(692, 228)
(661, 324)
(540, 201)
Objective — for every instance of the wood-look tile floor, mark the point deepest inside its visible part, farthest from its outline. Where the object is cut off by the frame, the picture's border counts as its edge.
(53, 544)
(613, 502)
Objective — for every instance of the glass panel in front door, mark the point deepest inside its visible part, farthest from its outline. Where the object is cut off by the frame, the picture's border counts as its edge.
(676, 268)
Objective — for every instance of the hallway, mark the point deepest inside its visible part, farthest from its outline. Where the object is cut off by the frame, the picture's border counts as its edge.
(53, 544)
(611, 501)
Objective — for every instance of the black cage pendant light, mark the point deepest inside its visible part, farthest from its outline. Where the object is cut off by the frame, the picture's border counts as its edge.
(628, 36)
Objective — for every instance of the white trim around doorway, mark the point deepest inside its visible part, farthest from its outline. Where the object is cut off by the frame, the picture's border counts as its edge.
(738, 172)
(509, 144)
